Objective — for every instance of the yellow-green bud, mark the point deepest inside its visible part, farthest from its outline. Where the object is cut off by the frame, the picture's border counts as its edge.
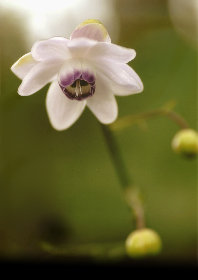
(142, 243)
(185, 142)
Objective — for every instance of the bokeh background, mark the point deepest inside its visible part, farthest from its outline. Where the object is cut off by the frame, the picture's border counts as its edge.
(61, 187)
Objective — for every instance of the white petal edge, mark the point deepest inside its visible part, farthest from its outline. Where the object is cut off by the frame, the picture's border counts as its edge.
(111, 52)
(120, 78)
(23, 65)
(51, 49)
(62, 111)
(103, 103)
(40, 75)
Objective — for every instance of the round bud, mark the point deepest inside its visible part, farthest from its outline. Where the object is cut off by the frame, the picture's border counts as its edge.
(185, 142)
(142, 243)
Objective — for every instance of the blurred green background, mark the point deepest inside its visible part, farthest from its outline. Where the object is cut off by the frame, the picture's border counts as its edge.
(61, 187)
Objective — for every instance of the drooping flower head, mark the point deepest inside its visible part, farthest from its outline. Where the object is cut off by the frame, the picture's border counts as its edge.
(86, 69)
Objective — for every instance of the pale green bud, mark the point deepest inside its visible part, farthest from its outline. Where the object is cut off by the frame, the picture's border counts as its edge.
(142, 243)
(185, 142)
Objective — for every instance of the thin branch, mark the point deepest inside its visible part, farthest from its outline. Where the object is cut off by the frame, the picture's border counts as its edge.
(131, 119)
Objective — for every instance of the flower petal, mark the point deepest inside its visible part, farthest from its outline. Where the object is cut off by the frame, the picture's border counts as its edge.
(111, 52)
(80, 47)
(62, 111)
(92, 29)
(51, 49)
(23, 65)
(120, 78)
(69, 72)
(74, 69)
(40, 75)
(103, 103)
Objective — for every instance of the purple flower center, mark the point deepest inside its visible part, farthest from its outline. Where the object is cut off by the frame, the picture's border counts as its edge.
(78, 86)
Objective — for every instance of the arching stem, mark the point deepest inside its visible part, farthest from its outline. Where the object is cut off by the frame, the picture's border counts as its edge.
(131, 119)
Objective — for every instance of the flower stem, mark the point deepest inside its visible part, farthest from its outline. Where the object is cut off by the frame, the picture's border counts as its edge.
(116, 157)
(130, 193)
(179, 120)
(131, 119)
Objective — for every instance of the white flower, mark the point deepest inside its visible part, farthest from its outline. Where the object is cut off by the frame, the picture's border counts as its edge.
(86, 69)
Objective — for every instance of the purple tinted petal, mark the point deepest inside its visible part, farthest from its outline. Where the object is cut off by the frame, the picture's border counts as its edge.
(77, 74)
(69, 78)
(92, 29)
(88, 77)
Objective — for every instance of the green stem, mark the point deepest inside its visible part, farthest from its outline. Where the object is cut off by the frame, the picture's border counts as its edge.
(131, 119)
(179, 120)
(130, 193)
(116, 157)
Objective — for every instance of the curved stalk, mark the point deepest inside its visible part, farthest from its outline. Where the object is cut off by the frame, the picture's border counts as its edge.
(131, 119)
